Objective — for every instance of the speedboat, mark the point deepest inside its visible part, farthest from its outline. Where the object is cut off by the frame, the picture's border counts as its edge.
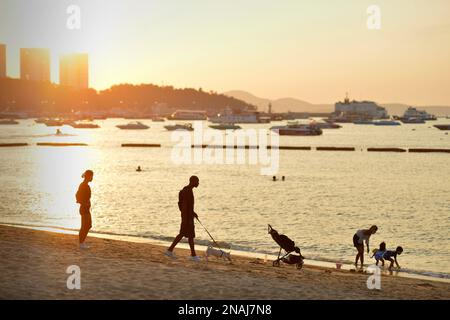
(297, 130)
(135, 125)
(326, 125)
(412, 120)
(386, 123)
(225, 126)
(363, 122)
(8, 122)
(442, 126)
(55, 122)
(178, 126)
(84, 125)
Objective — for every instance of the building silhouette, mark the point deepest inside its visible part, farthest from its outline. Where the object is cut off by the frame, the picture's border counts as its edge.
(2, 60)
(35, 64)
(74, 70)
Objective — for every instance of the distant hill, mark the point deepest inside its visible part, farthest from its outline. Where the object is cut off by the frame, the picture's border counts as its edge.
(297, 105)
(280, 105)
(18, 95)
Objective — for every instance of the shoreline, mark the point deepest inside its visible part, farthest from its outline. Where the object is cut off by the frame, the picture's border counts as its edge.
(35, 263)
(265, 258)
(413, 274)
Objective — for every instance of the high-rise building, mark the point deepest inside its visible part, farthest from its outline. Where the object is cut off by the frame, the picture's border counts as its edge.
(74, 70)
(2, 60)
(35, 64)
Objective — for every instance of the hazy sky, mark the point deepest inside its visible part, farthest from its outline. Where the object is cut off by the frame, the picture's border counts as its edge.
(312, 50)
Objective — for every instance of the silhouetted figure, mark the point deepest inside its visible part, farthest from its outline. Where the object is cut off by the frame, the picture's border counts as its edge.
(274, 178)
(58, 132)
(139, 169)
(358, 241)
(83, 197)
(187, 229)
(283, 178)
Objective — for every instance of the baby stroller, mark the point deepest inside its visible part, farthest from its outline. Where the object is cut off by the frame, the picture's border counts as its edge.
(287, 245)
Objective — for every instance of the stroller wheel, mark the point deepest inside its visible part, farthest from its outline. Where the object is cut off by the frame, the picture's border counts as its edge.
(276, 263)
(299, 266)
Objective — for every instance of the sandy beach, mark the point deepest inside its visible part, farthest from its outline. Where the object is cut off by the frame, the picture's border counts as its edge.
(33, 266)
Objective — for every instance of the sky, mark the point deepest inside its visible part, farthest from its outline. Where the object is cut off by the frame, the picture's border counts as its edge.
(312, 50)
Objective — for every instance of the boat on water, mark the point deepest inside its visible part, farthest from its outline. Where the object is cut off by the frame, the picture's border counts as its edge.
(412, 120)
(225, 126)
(134, 125)
(295, 129)
(180, 126)
(413, 113)
(56, 122)
(363, 122)
(386, 123)
(228, 116)
(8, 122)
(188, 115)
(158, 119)
(442, 126)
(326, 125)
(84, 125)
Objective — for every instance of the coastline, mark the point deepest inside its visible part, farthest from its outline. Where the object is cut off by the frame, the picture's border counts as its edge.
(34, 266)
(314, 262)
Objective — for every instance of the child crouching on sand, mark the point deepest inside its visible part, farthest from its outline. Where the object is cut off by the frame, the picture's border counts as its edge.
(379, 253)
(389, 254)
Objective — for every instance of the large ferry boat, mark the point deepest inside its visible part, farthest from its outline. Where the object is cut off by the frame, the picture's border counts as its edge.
(296, 129)
(245, 117)
(188, 115)
(413, 113)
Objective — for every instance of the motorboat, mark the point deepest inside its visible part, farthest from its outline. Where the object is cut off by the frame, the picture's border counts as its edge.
(8, 121)
(84, 125)
(363, 122)
(134, 125)
(296, 129)
(179, 126)
(225, 126)
(412, 120)
(442, 126)
(386, 123)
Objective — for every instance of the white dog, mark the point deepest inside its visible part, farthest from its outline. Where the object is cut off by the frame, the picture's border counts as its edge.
(217, 253)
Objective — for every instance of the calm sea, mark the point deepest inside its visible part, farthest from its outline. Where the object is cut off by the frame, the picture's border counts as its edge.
(325, 198)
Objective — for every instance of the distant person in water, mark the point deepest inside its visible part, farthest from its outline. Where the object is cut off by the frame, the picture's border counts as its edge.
(139, 169)
(274, 178)
(83, 197)
(187, 229)
(283, 178)
(358, 241)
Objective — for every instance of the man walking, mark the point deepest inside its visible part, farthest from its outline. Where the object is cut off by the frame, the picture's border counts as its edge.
(187, 229)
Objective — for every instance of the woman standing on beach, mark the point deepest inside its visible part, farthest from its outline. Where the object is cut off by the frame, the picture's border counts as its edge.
(84, 199)
(358, 241)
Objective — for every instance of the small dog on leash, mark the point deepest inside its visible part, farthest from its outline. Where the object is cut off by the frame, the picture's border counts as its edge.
(217, 253)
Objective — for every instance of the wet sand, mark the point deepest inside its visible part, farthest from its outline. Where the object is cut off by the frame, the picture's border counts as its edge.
(34, 263)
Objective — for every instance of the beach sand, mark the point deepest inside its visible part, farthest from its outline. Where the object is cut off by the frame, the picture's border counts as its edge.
(33, 266)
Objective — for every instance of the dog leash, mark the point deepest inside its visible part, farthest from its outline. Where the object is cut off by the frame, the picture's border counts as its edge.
(211, 237)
